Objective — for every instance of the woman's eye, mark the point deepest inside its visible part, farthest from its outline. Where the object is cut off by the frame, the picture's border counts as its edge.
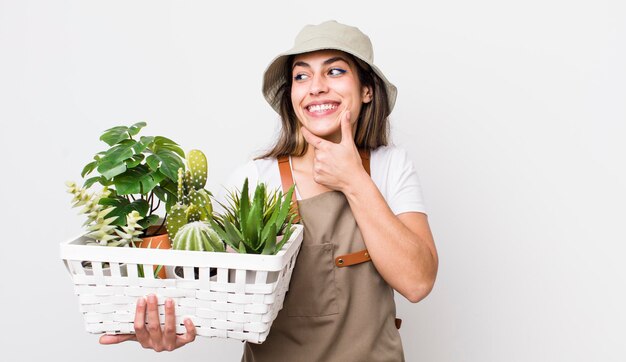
(336, 71)
(300, 77)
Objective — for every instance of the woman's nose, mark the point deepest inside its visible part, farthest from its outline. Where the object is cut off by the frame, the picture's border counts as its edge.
(318, 85)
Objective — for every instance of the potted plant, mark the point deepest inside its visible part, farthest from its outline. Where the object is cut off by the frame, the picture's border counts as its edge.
(258, 226)
(138, 175)
(188, 220)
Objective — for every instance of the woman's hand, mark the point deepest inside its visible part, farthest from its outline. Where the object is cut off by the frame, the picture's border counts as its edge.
(336, 165)
(148, 330)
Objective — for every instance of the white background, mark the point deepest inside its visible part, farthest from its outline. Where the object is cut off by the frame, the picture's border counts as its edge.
(513, 112)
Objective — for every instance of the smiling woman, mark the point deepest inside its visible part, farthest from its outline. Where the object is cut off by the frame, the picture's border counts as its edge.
(358, 199)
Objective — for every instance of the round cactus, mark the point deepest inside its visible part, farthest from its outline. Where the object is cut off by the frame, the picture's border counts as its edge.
(198, 235)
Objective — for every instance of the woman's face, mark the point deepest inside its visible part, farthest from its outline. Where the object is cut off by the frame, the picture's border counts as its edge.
(325, 83)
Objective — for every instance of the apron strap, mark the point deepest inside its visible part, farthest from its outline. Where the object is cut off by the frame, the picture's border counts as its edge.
(352, 259)
(286, 177)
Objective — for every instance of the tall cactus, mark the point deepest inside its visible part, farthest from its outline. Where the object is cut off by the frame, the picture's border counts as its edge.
(194, 202)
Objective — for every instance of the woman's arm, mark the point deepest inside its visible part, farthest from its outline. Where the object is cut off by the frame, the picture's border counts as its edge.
(401, 246)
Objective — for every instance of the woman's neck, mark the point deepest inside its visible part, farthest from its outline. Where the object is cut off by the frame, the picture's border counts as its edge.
(304, 163)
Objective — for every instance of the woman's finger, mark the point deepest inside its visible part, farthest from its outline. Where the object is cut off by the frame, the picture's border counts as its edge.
(169, 330)
(346, 130)
(113, 339)
(190, 336)
(152, 317)
(140, 323)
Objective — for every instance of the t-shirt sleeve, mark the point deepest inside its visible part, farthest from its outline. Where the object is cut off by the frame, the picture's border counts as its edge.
(405, 192)
(235, 182)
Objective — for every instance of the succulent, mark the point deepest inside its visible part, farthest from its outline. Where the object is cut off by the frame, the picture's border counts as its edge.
(98, 225)
(252, 226)
(129, 234)
(199, 236)
(194, 202)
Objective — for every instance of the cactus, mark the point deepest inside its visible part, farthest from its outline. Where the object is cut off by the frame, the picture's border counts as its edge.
(199, 236)
(194, 202)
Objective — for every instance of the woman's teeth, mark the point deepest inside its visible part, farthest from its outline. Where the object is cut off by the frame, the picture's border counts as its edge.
(321, 107)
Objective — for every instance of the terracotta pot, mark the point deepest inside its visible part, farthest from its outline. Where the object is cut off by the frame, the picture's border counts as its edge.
(159, 241)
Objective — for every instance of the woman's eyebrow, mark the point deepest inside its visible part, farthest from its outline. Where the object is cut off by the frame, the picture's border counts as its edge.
(326, 62)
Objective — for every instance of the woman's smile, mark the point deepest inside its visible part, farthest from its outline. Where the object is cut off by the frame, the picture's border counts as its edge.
(321, 109)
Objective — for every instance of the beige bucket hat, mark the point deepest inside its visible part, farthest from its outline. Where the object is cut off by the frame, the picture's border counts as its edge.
(327, 35)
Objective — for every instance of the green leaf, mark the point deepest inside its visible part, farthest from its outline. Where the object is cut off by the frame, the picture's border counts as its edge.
(150, 181)
(253, 223)
(134, 161)
(286, 236)
(270, 242)
(138, 180)
(139, 147)
(88, 168)
(244, 205)
(92, 180)
(153, 162)
(168, 163)
(284, 209)
(123, 207)
(233, 234)
(119, 153)
(223, 235)
(175, 149)
(109, 170)
(148, 221)
(146, 140)
(141, 206)
(118, 202)
(135, 128)
(115, 135)
(162, 141)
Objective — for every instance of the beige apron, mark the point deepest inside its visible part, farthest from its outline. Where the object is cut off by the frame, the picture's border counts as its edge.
(338, 308)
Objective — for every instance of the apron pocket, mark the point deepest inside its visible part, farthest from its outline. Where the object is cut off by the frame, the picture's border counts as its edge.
(312, 290)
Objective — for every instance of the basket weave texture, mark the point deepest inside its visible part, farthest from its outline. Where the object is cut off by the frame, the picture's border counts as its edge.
(226, 295)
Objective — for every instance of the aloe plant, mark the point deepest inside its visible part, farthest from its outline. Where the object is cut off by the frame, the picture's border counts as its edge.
(252, 226)
(194, 202)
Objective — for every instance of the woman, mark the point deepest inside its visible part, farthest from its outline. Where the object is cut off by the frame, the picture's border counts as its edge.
(366, 233)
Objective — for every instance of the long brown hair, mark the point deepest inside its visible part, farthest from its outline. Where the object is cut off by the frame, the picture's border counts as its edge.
(372, 127)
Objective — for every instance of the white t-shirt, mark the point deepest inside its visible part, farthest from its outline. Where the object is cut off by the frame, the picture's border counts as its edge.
(391, 170)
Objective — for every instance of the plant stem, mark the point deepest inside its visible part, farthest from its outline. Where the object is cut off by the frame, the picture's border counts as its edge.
(157, 206)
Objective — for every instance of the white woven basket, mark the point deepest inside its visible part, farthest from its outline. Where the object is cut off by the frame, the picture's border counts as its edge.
(240, 302)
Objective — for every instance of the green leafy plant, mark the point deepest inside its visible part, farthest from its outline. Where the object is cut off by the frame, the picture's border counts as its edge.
(253, 226)
(139, 172)
(193, 200)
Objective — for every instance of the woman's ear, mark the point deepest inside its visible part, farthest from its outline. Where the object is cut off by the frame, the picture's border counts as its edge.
(367, 94)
